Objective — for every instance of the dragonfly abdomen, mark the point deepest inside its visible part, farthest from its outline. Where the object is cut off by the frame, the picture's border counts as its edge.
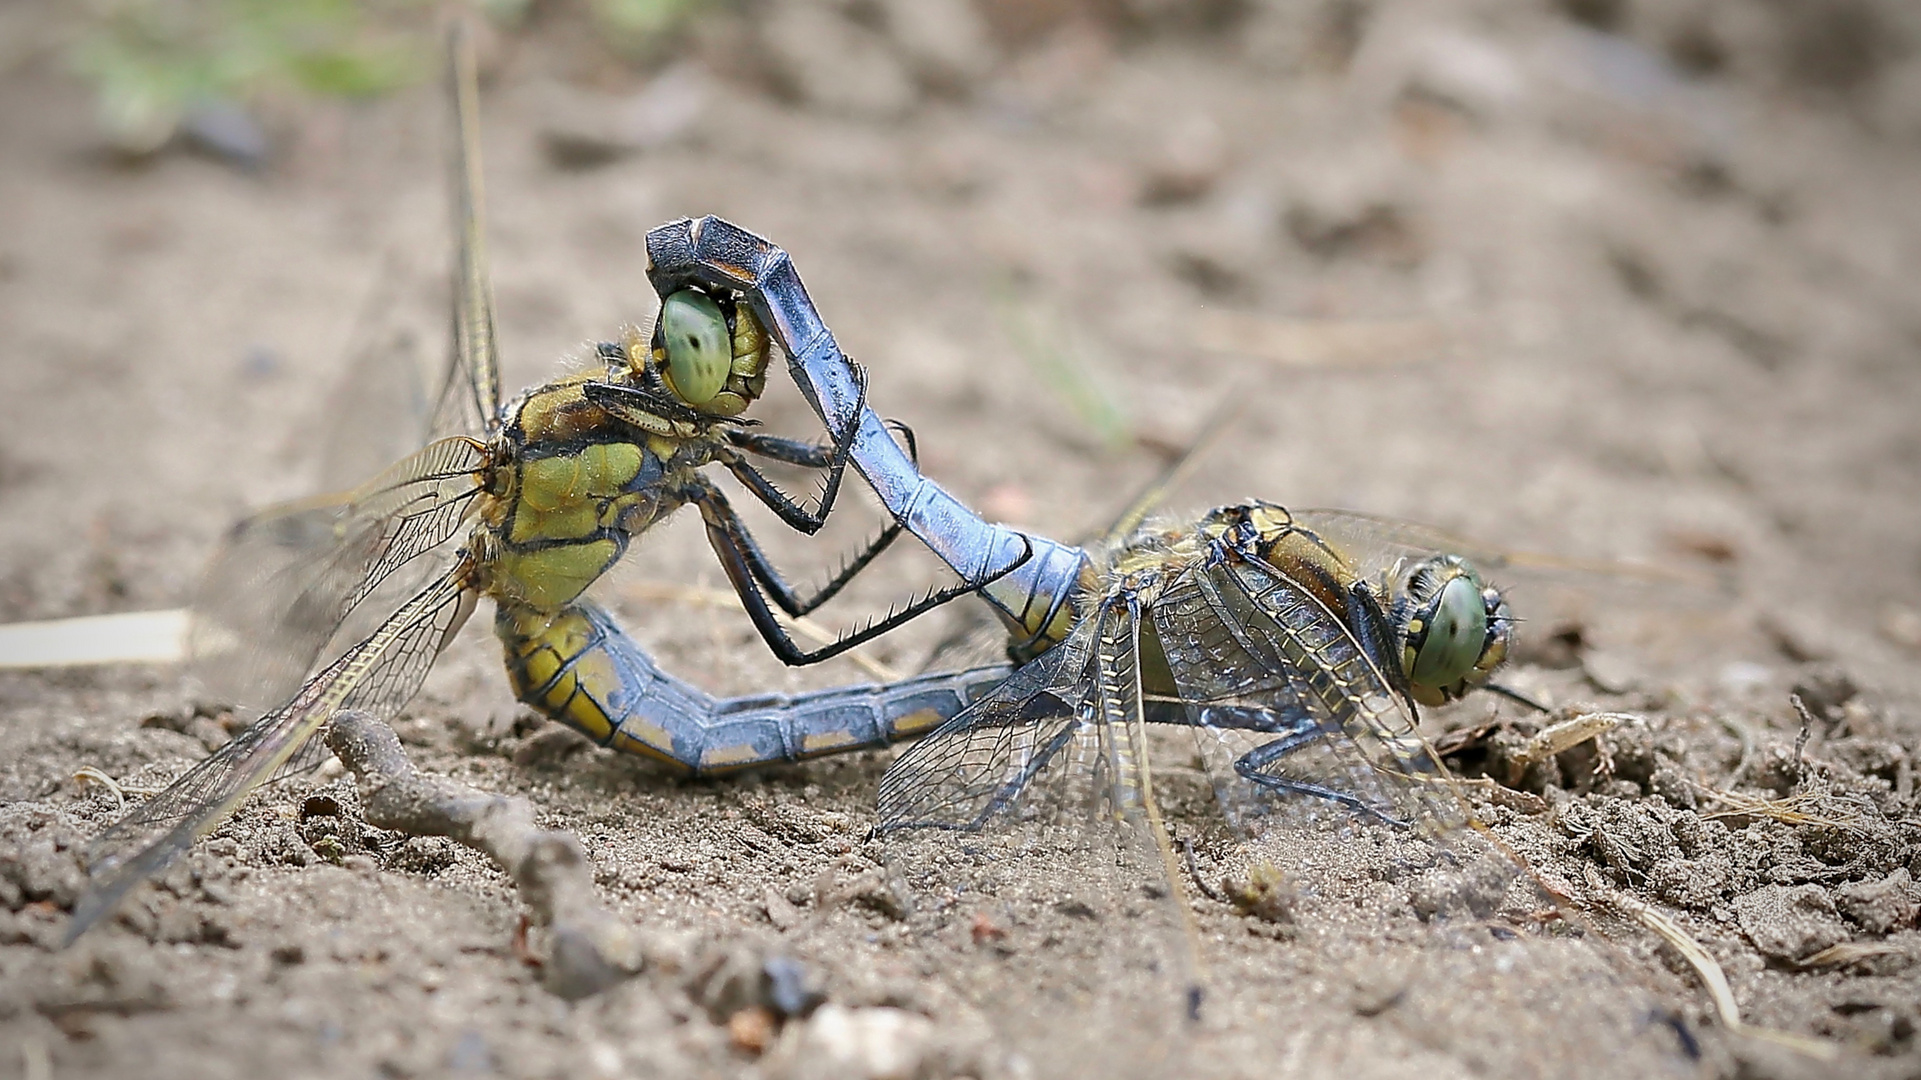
(578, 667)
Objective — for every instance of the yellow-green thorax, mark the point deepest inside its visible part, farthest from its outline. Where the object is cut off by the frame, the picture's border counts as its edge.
(573, 480)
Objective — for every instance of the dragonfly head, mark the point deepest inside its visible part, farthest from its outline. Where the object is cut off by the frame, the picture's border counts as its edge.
(1454, 628)
(711, 351)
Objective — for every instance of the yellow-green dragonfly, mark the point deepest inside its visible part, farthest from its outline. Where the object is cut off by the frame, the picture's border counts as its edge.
(534, 502)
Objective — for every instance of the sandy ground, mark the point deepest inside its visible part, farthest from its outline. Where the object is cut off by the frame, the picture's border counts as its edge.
(1635, 287)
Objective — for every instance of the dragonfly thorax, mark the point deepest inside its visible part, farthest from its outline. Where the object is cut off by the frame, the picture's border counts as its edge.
(1452, 627)
(1247, 529)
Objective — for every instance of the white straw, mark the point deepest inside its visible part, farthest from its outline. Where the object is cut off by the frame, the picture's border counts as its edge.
(135, 637)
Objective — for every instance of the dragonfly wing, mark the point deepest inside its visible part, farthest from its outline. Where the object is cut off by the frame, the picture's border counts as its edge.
(1052, 765)
(287, 579)
(1304, 716)
(470, 395)
(378, 675)
(1121, 783)
(1376, 543)
(377, 414)
(984, 763)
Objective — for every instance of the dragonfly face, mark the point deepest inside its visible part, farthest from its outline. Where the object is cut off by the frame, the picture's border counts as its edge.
(1454, 628)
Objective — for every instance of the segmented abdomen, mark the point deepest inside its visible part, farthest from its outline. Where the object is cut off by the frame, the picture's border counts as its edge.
(578, 667)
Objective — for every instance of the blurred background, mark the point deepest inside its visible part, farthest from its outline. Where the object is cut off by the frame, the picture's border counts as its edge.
(1616, 280)
(1609, 278)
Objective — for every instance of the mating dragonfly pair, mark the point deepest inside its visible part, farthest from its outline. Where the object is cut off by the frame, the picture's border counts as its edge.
(1303, 641)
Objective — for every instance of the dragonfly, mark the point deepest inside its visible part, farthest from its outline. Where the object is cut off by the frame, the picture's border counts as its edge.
(345, 601)
(1298, 647)
(1347, 623)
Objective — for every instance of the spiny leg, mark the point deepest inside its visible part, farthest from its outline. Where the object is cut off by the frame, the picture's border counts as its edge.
(783, 594)
(749, 573)
(792, 513)
(1250, 764)
(808, 454)
(1368, 621)
(1300, 730)
(812, 455)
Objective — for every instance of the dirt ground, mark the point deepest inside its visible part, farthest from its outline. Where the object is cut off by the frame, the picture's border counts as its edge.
(1612, 280)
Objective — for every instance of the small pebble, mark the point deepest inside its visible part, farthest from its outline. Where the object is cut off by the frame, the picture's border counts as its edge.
(863, 1044)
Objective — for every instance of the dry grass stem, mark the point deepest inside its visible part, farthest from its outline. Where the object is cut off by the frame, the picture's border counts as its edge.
(1500, 794)
(1710, 973)
(133, 637)
(1786, 810)
(1851, 952)
(1326, 343)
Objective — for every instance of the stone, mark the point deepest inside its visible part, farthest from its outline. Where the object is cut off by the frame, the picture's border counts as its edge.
(1879, 907)
(1790, 923)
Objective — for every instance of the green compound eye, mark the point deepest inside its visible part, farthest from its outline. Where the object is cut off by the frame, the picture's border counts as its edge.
(695, 335)
(1456, 634)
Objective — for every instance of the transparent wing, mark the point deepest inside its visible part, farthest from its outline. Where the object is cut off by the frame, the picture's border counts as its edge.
(377, 414)
(1126, 784)
(1375, 543)
(1178, 470)
(287, 579)
(1297, 719)
(470, 395)
(1052, 767)
(379, 675)
(985, 762)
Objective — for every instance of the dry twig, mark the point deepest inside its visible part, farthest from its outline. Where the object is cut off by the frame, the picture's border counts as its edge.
(1558, 737)
(591, 948)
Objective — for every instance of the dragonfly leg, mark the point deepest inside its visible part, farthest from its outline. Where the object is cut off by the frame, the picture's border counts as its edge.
(1251, 764)
(1368, 621)
(808, 454)
(1516, 696)
(1032, 578)
(743, 543)
(835, 462)
(748, 571)
(817, 456)
(783, 594)
(656, 413)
